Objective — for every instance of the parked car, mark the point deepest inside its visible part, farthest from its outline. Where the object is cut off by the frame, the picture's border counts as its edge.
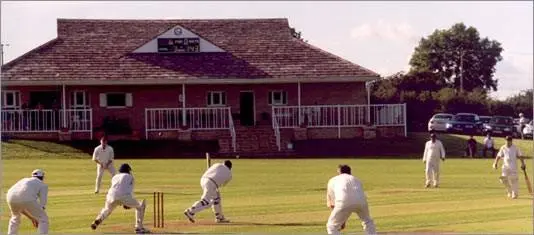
(500, 125)
(484, 120)
(517, 132)
(464, 123)
(528, 131)
(439, 121)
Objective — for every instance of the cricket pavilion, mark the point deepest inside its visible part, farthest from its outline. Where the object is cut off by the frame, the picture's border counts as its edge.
(246, 83)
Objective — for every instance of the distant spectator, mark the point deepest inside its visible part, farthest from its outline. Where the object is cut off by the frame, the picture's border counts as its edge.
(471, 148)
(522, 124)
(489, 144)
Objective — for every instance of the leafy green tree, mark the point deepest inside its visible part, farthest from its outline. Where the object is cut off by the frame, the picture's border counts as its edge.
(459, 57)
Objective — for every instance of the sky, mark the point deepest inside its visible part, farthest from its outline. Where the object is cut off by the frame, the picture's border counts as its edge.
(380, 36)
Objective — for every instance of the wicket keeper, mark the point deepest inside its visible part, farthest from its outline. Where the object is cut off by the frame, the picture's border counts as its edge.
(103, 155)
(215, 177)
(121, 193)
(345, 196)
(509, 153)
(22, 199)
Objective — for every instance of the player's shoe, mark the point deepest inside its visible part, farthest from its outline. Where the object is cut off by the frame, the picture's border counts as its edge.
(95, 224)
(222, 220)
(189, 215)
(427, 185)
(141, 230)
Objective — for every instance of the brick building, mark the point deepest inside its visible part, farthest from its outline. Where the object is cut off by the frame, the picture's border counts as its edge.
(246, 83)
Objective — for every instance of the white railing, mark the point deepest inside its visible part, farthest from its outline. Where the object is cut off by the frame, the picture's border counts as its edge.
(276, 128)
(32, 120)
(317, 116)
(77, 120)
(164, 119)
(232, 132)
(340, 116)
(168, 119)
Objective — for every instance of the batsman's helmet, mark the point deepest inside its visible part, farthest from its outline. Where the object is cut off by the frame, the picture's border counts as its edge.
(228, 164)
(125, 168)
(38, 173)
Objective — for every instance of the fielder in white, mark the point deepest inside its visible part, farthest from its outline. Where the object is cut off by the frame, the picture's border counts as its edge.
(215, 177)
(22, 200)
(509, 153)
(103, 156)
(345, 196)
(434, 151)
(121, 193)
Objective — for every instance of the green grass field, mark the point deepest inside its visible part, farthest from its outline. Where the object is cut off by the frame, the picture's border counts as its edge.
(276, 196)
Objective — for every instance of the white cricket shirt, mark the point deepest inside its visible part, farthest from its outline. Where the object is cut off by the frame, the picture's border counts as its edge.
(218, 173)
(509, 155)
(345, 189)
(28, 190)
(433, 151)
(103, 155)
(488, 142)
(122, 184)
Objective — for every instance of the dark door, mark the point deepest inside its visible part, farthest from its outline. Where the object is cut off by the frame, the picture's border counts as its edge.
(246, 106)
(48, 99)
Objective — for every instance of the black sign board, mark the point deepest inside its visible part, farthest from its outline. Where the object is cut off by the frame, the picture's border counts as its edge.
(179, 45)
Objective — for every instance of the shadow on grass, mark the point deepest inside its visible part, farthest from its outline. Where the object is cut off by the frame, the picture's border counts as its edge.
(272, 224)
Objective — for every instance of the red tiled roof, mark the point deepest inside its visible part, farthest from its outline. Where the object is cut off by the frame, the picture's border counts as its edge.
(102, 50)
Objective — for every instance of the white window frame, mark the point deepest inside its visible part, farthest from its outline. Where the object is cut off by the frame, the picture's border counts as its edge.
(128, 100)
(283, 96)
(16, 99)
(222, 98)
(74, 100)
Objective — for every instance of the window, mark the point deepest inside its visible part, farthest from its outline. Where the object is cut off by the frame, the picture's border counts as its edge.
(216, 98)
(277, 98)
(79, 99)
(10, 99)
(116, 100)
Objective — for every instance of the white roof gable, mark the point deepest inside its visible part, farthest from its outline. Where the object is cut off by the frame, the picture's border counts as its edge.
(175, 33)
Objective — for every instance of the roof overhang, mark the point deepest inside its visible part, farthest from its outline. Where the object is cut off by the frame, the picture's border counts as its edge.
(185, 81)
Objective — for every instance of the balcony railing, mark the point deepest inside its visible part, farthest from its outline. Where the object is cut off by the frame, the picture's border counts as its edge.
(46, 120)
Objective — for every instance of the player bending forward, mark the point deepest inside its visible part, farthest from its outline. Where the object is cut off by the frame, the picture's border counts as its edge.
(510, 153)
(216, 176)
(121, 193)
(345, 196)
(22, 199)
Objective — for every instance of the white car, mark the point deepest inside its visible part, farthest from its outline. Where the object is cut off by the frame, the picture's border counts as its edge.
(439, 121)
(528, 131)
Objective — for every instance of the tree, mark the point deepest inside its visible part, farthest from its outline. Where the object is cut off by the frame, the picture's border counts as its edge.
(459, 57)
(521, 103)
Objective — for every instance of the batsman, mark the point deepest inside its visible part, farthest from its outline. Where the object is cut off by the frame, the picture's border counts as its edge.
(121, 193)
(509, 177)
(215, 177)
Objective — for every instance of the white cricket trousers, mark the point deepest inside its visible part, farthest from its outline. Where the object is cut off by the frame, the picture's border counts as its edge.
(340, 215)
(210, 197)
(127, 200)
(31, 208)
(511, 182)
(432, 173)
(100, 172)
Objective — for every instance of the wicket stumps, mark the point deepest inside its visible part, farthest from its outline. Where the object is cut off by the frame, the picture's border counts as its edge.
(159, 215)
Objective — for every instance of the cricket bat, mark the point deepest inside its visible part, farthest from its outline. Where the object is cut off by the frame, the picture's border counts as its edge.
(527, 180)
(208, 160)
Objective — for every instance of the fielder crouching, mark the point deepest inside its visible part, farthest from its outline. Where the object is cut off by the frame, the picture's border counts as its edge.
(345, 196)
(22, 200)
(121, 193)
(216, 176)
(509, 153)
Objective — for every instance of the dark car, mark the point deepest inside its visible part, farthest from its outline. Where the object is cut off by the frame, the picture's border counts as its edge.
(500, 125)
(464, 123)
(484, 120)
